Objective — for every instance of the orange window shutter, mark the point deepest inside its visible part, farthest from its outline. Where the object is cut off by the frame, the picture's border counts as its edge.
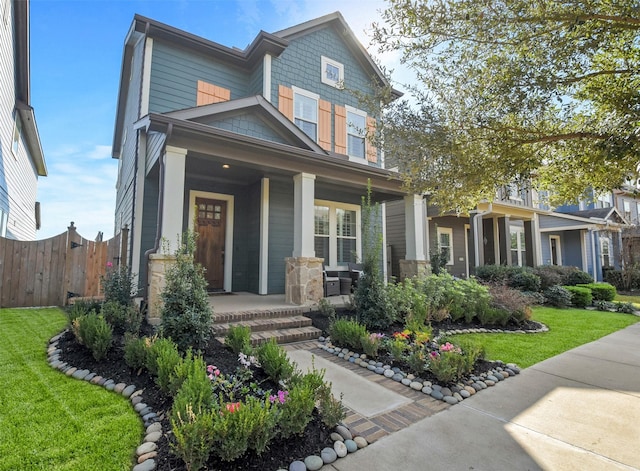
(285, 101)
(372, 151)
(324, 125)
(340, 130)
(208, 93)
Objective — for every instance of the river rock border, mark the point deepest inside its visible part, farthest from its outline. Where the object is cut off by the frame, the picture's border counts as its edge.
(148, 450)
(451, 395)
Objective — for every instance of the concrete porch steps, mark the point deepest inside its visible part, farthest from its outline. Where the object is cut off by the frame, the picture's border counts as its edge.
(285, 325)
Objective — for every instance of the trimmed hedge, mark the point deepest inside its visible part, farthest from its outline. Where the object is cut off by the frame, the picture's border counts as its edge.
(580, 296)
(601, 291)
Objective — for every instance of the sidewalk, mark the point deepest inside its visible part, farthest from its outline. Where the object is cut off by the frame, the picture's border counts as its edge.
(577, 411)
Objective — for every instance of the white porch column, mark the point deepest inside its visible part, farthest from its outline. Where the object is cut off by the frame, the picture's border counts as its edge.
(303, 215)
(264, 237)
(173, 195)
(414, 218)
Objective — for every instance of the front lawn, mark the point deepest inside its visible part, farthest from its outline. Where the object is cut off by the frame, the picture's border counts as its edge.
(49, 421)
(628, 299)
(568, 328)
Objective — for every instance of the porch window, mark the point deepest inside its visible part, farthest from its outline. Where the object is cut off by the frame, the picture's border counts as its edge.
(356, 131)
(605, 251)
(445, 242)
(305, 112)
(337, 232)
(518, 248)
(604, 200)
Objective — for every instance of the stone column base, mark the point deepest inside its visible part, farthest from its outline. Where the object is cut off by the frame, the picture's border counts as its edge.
(303, 282)
(158, 266)
(411, 268)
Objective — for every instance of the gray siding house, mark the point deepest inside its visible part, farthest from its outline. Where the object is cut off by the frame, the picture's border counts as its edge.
(21, 156)
(262, 152)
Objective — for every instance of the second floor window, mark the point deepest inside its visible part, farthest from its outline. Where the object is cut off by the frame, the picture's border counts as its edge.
(627, 210)
(356, 132)
(305, 112)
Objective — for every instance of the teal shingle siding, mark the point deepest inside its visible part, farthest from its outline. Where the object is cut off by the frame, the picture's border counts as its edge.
(280, 232)
(247, 125)
(255, 81)
(175, 73)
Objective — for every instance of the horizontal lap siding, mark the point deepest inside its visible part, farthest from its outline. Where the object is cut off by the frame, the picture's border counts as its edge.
(572, 249)
(176, 71)
(280, 232)
(459, 267)
(545, 221)
(396, 235)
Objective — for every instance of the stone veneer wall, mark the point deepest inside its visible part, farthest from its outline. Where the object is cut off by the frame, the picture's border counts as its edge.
(158, 266)
(411, 268)
(303, 280)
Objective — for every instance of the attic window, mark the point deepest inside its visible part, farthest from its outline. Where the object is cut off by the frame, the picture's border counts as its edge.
(332, 73)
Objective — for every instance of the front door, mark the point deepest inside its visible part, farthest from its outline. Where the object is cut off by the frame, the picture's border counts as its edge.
(211, 225)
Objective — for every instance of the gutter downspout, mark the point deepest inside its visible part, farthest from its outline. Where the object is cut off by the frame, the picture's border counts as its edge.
(156, 244)
(476, 246)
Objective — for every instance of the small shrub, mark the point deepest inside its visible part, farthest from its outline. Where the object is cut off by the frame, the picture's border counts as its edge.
(347, 333)
(155, 346)
(191, 366)
(123, 318)
(417, 361)
(525, 281)
(511, 301)
(331, 410)
(81, 308)
(96, 335)
(549, 276)
(493, 273)
(264, 418)
(557, 296)
(601, 291)
(166, 360)
(135, 351)
(118, 285)
(238, 339)
(494, 316)
(604, 305)
(580, 297)
(627, 308)
(297, 410)
(274, 361)
(326, 309)
(186, 312)
(447, 366)
(397, 348)
(534, 297)
(193, 431)
(578, 277)
(371, 344)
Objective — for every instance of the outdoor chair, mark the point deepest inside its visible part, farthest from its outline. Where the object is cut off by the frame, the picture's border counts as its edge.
(331, 283)
(355, 272)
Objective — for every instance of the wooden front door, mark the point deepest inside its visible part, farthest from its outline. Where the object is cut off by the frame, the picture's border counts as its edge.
(211, 227)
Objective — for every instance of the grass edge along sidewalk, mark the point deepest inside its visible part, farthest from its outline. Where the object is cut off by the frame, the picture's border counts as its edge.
(568, 329)
(49, 421)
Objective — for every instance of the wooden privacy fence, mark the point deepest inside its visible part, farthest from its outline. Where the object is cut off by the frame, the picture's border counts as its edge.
(49, 272)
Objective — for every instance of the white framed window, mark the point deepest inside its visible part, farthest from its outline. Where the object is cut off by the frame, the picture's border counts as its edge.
(337, 232)
(605, 251)
(445, 242)
(556, 250)
(4, 217)
(518, 247)
(332, 72)
(305, 112)
(626, 204)
(17, 132)
(604, 201)
(356, 133)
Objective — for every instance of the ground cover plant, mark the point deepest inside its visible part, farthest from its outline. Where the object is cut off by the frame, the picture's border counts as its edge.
(48, 421)
(568, 328)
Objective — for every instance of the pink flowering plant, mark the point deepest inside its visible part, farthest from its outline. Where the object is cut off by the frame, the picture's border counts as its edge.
(371, 344)
(449, 362)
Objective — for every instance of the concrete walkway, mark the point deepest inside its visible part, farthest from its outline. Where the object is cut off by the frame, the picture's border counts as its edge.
(577, 411)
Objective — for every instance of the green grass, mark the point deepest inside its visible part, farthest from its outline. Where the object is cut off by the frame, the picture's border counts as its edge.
(568, 328)
(628, 299)
(49, 421)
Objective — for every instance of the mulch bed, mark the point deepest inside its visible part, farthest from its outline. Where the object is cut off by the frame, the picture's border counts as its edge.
(280, 452)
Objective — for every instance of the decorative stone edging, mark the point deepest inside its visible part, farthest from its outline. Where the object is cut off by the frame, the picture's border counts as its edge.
(147, 451)
(343, 443)
(462, 390)
(484, 330)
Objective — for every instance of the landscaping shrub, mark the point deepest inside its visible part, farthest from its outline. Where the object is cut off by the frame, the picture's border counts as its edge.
(403, 295)
(493, 273)
(601, 291)
(81, 308)
(331, 410)
(191, 366)
(604, 305)
(96, 334)
(167, 358)
(549, 276)
(525, 281)
(417, 361)
(326, 309)
(623, 280)
(135, 351)
(578, 277)
(155, 346)
(123, 318)
(371, 344)
(627, 308)
(117, 285)
(274, 361)
(511, 301)
(186, 313)
(297, 409)
(580, 297)
(534, 297)
(557, 296)
(264, 418)
(347, 333)
(467, 299)
(494, 316)
(193, 431)
(238, 339)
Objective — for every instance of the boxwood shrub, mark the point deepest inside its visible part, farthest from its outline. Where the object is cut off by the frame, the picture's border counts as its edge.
(601, 291)
(580, 296)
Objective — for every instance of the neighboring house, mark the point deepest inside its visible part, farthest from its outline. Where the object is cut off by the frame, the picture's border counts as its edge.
(261, 151)
(517, 229)
(21, 157)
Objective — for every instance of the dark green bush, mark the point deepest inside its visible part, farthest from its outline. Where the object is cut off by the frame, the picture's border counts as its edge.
(549, 276)
(191, 366)
(525, 281)
(274, 361)
(601, 291)
(494, 316)
(186, 312)
(348, 333)
(493, 273)
(135, 351)
(166, 360)
(118, 285)
(155, 346)
(557, 296)
(623, 280)
(297, 410)
(580, 297)
(81, 308)
(578, 277)
(627, 308)
(123, 318)
(238, 339)
(96, 335)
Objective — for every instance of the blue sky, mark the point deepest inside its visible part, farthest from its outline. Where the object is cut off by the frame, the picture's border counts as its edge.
(76, 52)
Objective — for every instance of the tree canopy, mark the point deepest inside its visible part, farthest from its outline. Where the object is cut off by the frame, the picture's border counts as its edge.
(538, 92)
